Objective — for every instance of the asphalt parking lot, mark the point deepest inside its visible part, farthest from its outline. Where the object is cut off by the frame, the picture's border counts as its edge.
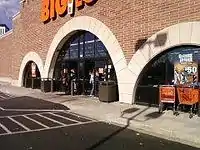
(26, 114)
(28, 123)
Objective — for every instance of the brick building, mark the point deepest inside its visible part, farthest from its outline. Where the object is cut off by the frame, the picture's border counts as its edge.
(134, 32)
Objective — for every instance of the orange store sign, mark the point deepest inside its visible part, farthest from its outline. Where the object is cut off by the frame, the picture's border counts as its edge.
(50, 8)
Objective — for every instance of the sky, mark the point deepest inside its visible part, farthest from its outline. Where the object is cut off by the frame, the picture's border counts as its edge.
(8, 8)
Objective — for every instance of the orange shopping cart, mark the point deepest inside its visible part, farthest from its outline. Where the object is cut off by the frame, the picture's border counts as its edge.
(188, 96)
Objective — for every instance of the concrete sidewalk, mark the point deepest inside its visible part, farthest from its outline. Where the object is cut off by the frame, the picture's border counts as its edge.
(140, 118)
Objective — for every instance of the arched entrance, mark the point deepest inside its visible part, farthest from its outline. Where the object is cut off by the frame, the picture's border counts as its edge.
(26, 63)
(84, 53)
(100, 30)
(178, 65)
(32, 77)
(181, 34)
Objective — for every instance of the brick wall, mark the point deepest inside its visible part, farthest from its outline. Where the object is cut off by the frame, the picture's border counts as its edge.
(131, 21)
(5, 55)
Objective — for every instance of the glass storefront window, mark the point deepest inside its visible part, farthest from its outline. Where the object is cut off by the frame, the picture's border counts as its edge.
(100, 50)
(74, 51)
(89, 36)
(85, 45)
(89, 45)
(178, 66)
(81, 55)
(89, 49)
(66, 55)
(75, 40)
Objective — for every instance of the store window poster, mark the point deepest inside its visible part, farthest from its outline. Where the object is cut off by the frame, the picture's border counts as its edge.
(101, 70)
(185, 73)
(33, 69)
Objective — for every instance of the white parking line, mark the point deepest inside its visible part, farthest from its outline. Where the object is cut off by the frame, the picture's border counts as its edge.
(36, 121)
(23, 114)
(1, 96)
(63, 117)
(2, 108)
(23, 126)
(6, 129)
(6, 96)
(17, 115)
(36, 110)
(38, 130)
(51, 119)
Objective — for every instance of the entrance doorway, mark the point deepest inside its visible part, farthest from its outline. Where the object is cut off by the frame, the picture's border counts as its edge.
(32, 77)
(85, 54)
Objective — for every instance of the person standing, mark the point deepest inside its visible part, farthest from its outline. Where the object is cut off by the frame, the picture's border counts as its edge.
(73, 81)
(65, 80)
(96, 83)
(92, 82)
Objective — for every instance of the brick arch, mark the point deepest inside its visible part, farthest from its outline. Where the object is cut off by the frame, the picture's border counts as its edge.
(31, 56)
(99, 29)
(180, 34)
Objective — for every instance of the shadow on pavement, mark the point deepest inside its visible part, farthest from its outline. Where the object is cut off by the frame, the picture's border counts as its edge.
(153, 115)
(134, 116)
(26, 102)
(129, 111)
(107, 138)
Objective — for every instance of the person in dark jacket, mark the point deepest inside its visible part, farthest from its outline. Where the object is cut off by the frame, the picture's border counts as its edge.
(66, 80)
(73, 81)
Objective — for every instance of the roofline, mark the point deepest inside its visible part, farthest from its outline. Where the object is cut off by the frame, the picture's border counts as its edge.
(16, 15)
(6, 34)
(22, 1)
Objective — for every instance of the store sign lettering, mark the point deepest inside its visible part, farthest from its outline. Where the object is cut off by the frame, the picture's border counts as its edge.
(185, 58)
(50, 8)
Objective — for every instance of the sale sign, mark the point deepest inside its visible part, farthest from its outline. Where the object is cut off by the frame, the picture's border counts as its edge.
(185, 69)
(185, 73)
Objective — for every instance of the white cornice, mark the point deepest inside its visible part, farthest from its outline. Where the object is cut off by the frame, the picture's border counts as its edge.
(15, 16)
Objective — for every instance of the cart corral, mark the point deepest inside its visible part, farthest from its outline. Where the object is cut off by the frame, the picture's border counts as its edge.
(179, 97)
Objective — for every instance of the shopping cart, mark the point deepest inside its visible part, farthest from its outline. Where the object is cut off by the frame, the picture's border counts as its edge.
(188, 96)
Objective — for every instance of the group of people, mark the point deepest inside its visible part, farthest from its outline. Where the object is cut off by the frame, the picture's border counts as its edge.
(69, 81)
